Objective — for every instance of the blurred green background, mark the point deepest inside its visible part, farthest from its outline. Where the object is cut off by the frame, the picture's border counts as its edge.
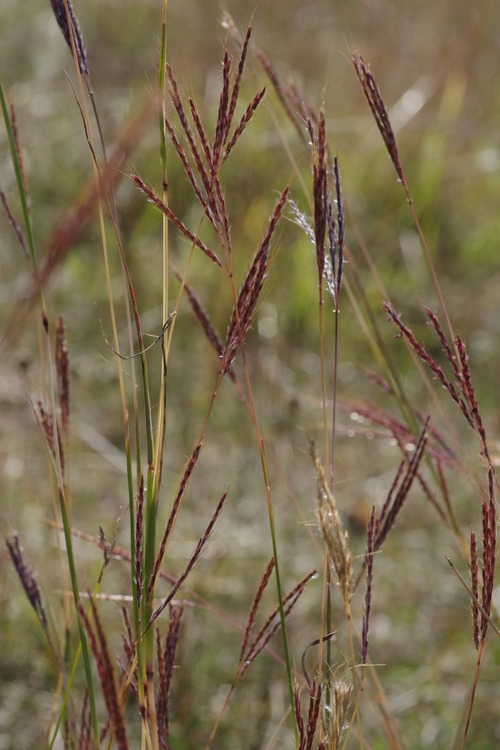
(438, 66)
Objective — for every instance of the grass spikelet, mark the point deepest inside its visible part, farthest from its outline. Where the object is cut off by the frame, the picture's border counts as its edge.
(237, 82)
(173, 516)
(370, 540)
(489, 560)
(429, 361)
(336, 538)
(250, 290)
(62, 371)
(399, 490)
(223, 122)
(273, 624)
(475, 588)
(379, 111)
(166, 660)
(247, 116)
(192, 562)
(151, 195)
(28, 579)
(255, 605)
(106, 674)
(68, 23)
(307, 730)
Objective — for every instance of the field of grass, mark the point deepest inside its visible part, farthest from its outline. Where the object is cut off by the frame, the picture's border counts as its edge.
(249, 404)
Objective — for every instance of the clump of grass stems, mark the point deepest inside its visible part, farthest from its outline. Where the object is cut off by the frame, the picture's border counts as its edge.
(153, 622)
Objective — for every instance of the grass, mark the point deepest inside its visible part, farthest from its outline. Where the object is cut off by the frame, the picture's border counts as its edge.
(206, 572)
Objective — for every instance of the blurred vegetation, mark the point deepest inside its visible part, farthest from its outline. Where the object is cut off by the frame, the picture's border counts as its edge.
(437, 66)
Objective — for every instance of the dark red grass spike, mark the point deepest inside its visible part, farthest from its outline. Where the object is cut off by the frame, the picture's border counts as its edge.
(474, 587)
(27, 578)
(391, 512)
(247, 116)
(139, 539)
(282, 91)
(320, 194)
(445, 346)
(223, 123)
(489, 559)
(222, 211)
(174, 219)
(162, 693)
(298, 711)
(273, 623)
(14, 224)
(237, 82)
(127, 636)
(188, 470)
(196, 554)
(250, 290)
(106, 674)
(62, 369)
(379, 111)
(312, 716)
(340, 224)
(429, 361)
(255, 605)
(166, 658)
(201, 132)
(71, 30)
(202, 317)
(368, 563)
(204, 176)
(189, 173)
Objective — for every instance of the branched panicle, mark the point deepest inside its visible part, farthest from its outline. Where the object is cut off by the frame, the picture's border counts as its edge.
(379, 111)
(255, 605)
(398, 493)
(62, 370)
(62, 10)
(27, 578)
(250, 290)
(370, 542)
(474, 568)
